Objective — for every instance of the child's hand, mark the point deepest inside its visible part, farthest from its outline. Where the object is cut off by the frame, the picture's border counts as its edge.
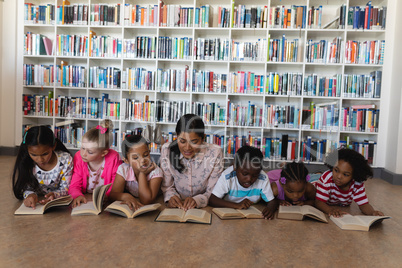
(285, 203)
(174, 202)
(378, 213)
(189, 203)
(245, 204)
(269, 211)
(336, 212)
(132, 203)
(149, 169)
(77, 202)
(48, 197)
(31, 201)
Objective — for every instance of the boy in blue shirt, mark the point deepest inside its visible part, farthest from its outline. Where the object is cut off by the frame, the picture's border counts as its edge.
(244, 183)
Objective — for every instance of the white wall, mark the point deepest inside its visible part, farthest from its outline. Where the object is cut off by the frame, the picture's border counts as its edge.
(8, 56)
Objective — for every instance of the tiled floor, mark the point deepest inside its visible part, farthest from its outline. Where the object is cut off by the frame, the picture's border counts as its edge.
(56, 239)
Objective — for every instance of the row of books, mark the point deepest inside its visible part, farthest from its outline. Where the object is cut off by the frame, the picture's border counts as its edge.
(249, 51)
(283, 50)
(364, 52)
(367, 17)
(288, 17)
(39, 14)
(323, 116)
(244, 115)
(138, 79)
(141, 47)
(173, 79)
(75, 14)
(175, 47)
(288, 84)
(317, 85)
(171, 111)
(208, 81)
(135, 110)
(176, 16)
(38, 105)
(70, 135)
(105, 14)
(72, 45)
(282, 116)
(105, 46)
(108, 77)
(38, 75)
(315, 150)
(136, 15)
(212, 113)
(211, 49)
(37, 44)
(324, 51)
(249, 17)
(362, 85)
(362, 118)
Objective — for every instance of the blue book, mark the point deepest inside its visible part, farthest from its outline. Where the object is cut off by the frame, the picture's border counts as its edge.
(308, 148)
(356, 14)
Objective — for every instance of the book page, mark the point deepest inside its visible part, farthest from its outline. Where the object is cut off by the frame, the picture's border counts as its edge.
(171, 214)
(98, 195)
(198, 215)
(368, 220)
(312, 211)
(227, 213)
(146, 208)
(290, 209)
(251, 212)
(88, 208)
(123, 208)
(23, 210)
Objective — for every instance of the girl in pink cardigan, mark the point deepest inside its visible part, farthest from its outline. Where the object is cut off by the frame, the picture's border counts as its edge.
(96, 164)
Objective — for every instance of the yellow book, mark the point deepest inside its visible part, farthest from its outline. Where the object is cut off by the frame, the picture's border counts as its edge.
(123, 210)
(357, 223)
(93, 207)
(65, 2)
(299, 212)
(231, 213)
(178, 215)
(40, 209)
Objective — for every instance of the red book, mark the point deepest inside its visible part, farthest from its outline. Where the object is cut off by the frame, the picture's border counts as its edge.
(366, 18)
(211, 81)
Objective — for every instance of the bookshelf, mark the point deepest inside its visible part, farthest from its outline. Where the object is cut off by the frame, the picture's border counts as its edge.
(281, 83)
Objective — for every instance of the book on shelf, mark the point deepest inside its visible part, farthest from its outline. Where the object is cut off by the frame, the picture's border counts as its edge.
(367, 17)
(93, 207)
(357, 223)
(41, 209)
(300, 212)
(178, 215)
(231, 213)
(123, 210)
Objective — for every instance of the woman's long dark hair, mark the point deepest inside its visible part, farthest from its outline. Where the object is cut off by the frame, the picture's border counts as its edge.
(187, 123)
(23, 177)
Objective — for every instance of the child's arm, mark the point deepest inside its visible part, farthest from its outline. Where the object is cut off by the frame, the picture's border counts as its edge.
(367, 209)
(330, 210)
(148, 190)
(215, 201)
(269, 210)
(117, 193)
(270, 192)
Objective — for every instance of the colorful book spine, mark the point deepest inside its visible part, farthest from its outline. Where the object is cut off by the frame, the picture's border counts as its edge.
(75, 14)
(141, 47)
(367, 17)
(282, 116)
(249, 16)
(176, 16)
(362, 85)
(314, 17)
(292, 17)
(138, 79)
(244, 115)
(287, 84)
(234, 142)
(175, 47)
(361, 119)
(324, 51)
(283, 50)
(249, 51)
(367, 148)
(38, 75)
(212, 113)
(108, 77)
(71, 45)
(71, 76)
(173, 79)
(208, 81)
(171, 111)
(364, 52)
(105, 14)
(136, 15)
(211, 49)
(134, 110)
(105, 46)
(39, 14)
(324, 116)
(38, 105)
(245, 82)
(324, 86)
(315, 150)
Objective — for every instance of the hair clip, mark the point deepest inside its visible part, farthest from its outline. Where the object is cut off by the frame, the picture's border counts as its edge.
(102, 129)
(25, 135)
(283, 180)
(308, 178)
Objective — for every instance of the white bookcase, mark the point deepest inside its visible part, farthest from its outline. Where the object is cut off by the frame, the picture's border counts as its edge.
(330, 9)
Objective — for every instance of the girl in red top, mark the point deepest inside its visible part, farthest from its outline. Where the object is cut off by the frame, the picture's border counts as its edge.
(343, 183)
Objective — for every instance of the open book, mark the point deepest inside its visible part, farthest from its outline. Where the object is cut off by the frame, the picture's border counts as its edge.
(93, 207)
(123, 210)
(357, 223)
(40, 209)
(299, 212)
(178, 215)
(231, 213)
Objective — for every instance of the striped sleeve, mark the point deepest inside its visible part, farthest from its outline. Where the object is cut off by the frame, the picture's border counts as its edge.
(359, 194)
(323, 187)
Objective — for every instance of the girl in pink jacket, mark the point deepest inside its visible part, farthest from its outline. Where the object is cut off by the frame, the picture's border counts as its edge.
(96, 164)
